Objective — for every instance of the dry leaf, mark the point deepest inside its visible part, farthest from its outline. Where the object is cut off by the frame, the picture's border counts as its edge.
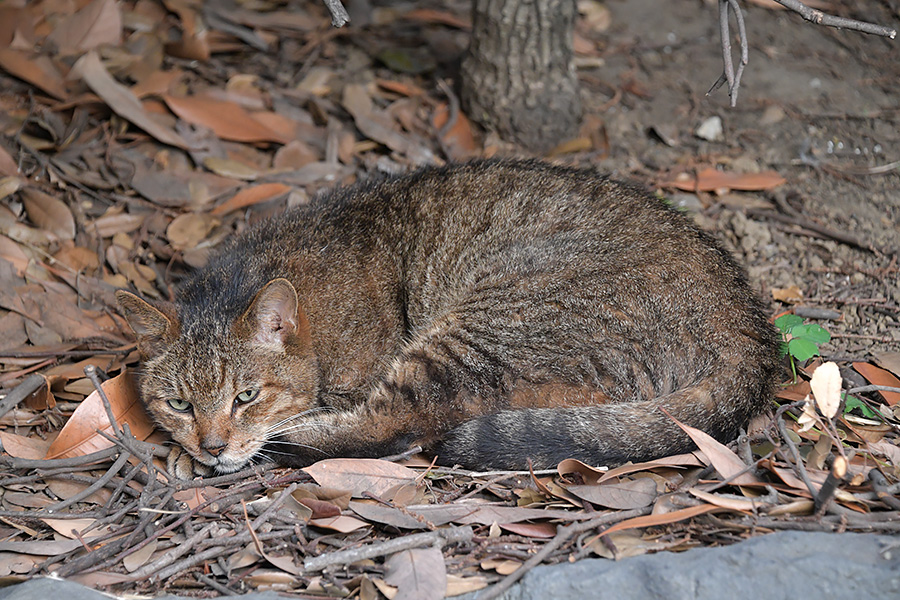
(878, 376)
(21, 446)
(39, 71)
(251, 196)
(418, 574)
(228, 120)
(343, 523)
(360, 475)
(121, 100)
(726, 462)
(79, 436)
(711, 180)
(789, 295)
(620, 495)
(826, 388)
(136, 560)
(189, 229)
(49, 213)
(534, 530)
(96, 24)
(663, 519)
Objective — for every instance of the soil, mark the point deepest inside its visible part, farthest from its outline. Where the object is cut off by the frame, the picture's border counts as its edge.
(820, 106)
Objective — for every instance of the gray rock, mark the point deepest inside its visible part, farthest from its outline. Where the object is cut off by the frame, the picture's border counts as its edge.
(786, 565)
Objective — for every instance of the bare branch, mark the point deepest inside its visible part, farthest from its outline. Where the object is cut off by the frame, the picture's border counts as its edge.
(819, 18)
(339, 14)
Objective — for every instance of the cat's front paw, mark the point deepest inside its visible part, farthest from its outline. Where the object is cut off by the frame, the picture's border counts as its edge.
(182, 465)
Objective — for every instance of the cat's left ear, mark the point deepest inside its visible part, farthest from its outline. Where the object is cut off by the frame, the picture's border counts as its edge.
(275, 318)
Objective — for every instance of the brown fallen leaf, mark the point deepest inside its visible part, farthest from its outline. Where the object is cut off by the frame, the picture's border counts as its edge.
(22, 446)
(121, 100)
(790, 294)
(418, 574)
(39, 71)
(534, 530)
(359, 475)
(663, 519)
(342, 523)
(889, 361)
(48, 212)
(726, 462)
(228, 120)
(79, 436)
(619, 495)
(251, 196)
(458, 140)
(711, 180)
(878, 376)
(98, 23)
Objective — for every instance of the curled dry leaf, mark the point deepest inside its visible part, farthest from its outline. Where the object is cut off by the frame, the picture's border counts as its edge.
(726, 462)
(79, 436)
(189, 229)
(228, 120)
(826, 388)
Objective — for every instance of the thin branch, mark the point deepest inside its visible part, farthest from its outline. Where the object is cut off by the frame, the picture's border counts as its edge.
(819, 18)
(339, 14)
(733, 77)
(452, 535)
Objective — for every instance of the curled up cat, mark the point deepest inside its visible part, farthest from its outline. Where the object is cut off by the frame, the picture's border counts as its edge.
(492, 312)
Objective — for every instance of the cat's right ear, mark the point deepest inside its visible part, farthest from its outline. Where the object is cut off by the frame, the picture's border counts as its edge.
(154, 328)
(275, 318)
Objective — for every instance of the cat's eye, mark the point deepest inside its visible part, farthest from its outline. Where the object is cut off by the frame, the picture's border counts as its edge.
(179, 404)
(247, 396)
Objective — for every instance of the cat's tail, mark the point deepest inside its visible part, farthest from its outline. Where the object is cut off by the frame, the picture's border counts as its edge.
(612, 433)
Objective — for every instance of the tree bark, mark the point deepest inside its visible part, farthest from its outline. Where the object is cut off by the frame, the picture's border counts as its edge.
(517, 76)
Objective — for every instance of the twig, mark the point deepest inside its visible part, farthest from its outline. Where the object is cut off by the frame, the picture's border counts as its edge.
(452, 535)
(90, 372)
(728, 73)
(882, 491)
(839, 236)
(173, 554)
(561, 537)
(795, 453)
(819, 18)
(50, 463)
(100, 483)
(28, 386)
(339, 14)
(403, 455)
(835, 475)
(733, 78)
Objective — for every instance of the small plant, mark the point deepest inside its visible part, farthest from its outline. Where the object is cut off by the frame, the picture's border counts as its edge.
(800, 340)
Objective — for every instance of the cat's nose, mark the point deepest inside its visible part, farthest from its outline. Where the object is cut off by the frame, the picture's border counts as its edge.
(214, 447)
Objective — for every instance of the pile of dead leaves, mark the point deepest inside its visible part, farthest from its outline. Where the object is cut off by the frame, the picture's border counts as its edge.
(137, 135)
(92, 502)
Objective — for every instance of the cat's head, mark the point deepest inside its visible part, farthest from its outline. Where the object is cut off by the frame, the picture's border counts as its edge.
(222, 390)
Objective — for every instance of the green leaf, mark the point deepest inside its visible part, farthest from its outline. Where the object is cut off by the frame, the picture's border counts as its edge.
(812, 332)
(788, 321)
(855, 403)
(802, 349)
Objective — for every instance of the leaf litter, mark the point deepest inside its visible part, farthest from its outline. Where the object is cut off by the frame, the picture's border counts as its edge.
(122, 167)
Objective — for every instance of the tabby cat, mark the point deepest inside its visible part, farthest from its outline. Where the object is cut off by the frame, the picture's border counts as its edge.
(493, 312)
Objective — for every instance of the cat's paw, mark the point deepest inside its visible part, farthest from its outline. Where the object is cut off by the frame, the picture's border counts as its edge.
(182, 465)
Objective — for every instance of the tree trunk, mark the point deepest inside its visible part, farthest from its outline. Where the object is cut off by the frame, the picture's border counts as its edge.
(517, 76)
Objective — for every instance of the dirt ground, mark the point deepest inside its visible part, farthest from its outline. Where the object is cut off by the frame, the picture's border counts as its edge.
(817, 105)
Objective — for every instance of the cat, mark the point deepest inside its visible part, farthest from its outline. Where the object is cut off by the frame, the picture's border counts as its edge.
(495, 312)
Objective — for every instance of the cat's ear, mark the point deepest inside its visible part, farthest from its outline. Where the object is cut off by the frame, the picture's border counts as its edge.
(155, 327)
(275, 318)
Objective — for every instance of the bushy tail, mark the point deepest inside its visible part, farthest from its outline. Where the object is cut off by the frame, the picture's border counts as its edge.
(610, 434)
